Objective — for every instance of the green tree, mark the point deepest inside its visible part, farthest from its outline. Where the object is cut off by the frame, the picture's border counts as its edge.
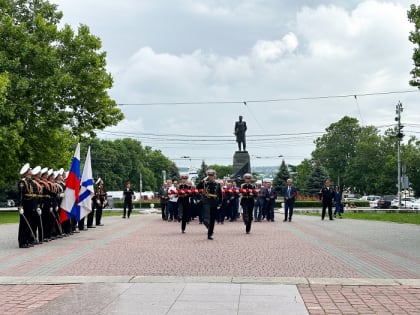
(202, 171)
(303, 170)
(337, 147)
(281, 177)
(316, 179)
(414, 17)
(222, 170)
(56, 85)
(411, 159)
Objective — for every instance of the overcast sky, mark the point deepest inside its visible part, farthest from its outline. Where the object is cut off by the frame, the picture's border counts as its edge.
(195, 51)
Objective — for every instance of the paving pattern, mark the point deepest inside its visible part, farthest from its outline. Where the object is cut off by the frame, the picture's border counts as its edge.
(333, 267)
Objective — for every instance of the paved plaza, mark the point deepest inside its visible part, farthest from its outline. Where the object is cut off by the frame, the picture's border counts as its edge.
(144, 265)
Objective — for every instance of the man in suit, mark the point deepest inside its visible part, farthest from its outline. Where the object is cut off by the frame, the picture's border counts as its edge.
(289, 195)
(128, 196)
(270, 200)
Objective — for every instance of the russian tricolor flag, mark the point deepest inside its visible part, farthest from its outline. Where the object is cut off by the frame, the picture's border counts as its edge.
(86, 190)
(71, 194)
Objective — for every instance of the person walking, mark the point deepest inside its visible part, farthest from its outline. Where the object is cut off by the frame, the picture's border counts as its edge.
(338, 202)
(128, 196)
(248, 192)
(289, 195)
(326, 194)
(212, 200)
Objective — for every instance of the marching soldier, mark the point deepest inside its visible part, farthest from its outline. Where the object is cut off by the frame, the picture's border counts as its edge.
(184, 202)
(212, 200)
(247, 201)
(128, 196)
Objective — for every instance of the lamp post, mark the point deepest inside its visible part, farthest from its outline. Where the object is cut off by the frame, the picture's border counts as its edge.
(400, 135)
(141, 189)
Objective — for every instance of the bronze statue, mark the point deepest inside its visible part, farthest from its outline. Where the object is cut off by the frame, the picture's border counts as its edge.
(240, 129)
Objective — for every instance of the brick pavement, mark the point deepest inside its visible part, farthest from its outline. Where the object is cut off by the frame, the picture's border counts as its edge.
(328, 261)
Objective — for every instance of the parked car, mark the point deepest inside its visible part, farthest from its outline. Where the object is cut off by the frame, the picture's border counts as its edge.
(373, 200)
(385, 201)
(406, 203)
(416, 205)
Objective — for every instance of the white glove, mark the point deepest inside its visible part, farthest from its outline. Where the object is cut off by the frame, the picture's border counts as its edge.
(39, 211)
(51, 209)
(20, 210)
(56, 209)
(61, 195)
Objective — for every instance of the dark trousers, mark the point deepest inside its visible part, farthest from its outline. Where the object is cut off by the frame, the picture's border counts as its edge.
(247, 208)
(288, 209)
(326, 205)
(90, 218)
(184, 211)
(129, 205)
(98, 215)
(210, 213)
(173, 210)
(24, 233)
(81, 224)
(163, 206)
(269, 208)
(47, 221)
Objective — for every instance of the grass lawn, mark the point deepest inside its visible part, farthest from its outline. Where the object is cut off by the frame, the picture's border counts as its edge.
(13, 216)
(413, 218)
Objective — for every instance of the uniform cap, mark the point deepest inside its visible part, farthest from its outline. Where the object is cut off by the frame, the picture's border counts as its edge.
(44, 170)
(24, 168)
(50, 171)
(61, 171)
(211, 172)
(98, 181)
(36, 170)
(184, 176)
(247, 175)
(55, 174)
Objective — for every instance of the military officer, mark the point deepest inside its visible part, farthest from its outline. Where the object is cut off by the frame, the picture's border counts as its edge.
(184, 201)
(36, 222)
(212, 200)
(326, 194)
(247, 201)
(128, 196)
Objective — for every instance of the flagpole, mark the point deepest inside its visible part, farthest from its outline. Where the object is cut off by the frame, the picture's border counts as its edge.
(141, 188)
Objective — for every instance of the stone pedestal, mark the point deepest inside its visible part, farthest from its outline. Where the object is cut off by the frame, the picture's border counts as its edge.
(241, 164)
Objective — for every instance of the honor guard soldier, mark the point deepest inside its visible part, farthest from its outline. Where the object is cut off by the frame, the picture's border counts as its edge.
(247, 191)
(26, 202)
(99, 201)
(37, 220)
(184, 191)
(47, 195)
(212, 200)
(128, 196)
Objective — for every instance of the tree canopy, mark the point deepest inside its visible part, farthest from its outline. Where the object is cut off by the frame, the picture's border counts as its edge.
(53, 86)
(414, 17)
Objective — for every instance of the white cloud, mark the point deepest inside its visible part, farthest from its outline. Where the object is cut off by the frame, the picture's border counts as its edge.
(272, 50)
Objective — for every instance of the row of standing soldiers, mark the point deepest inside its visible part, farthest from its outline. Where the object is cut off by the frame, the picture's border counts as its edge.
(40, 192)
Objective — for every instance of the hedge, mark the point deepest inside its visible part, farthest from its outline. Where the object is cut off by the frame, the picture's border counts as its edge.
(279, 202)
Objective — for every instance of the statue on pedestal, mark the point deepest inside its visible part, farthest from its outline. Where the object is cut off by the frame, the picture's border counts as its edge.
(240, 129)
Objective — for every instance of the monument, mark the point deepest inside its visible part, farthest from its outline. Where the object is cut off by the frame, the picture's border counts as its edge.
(241, 159)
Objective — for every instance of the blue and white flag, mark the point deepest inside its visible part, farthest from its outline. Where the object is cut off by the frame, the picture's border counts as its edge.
(86, 189)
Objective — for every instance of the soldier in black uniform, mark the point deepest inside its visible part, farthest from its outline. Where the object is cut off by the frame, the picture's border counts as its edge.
(212, 200)
(128, 196)
(184, 202)
(36, 221)
(326, 194)
(25, 207)
(247, 201)
(45, 205)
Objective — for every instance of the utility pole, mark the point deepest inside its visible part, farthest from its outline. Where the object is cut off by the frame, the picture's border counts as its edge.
(400, 135)
(141, 188)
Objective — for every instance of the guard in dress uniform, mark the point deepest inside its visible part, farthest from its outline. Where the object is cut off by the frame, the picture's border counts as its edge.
(163, 196)
(25, 207)
(45, 205)
(128, 196)
(36, 222)
(212, 200)
(99, 200)
(184, 191)
(327, 194)
(248, 192)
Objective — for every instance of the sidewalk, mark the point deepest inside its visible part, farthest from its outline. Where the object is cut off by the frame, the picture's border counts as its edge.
(146, 266)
